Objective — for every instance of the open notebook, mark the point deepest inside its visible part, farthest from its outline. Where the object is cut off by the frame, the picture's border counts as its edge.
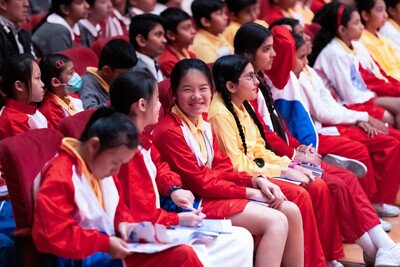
(160, 238)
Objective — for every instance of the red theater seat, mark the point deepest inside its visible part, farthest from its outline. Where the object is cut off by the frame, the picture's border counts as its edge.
(22, 157)
(82, 57)
(98, 45)
(73, 126)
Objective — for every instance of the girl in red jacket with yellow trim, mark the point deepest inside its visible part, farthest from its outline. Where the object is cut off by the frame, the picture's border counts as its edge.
(79, 217)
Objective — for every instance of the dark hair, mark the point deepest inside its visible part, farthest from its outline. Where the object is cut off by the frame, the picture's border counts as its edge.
(391, 3)
(117, 54)
(285, 21)
(204, 8)
(129, 87)
(52, 66)
(327, 17)
(235, 6)
(229, 68)
(249, 38)
(299, 41)
(183, 67)
(16, 68)
(142, 24)
(365, 5)
(162, 1)
(54, 8)
(112, 128)
(91, 2)
(171, 18)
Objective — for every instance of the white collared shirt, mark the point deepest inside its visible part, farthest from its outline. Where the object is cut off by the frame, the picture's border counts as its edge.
(9, 26)
(150, 64)
(94, 30)
(57, 19)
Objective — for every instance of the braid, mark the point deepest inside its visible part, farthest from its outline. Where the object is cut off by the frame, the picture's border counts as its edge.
(253, 115)
(269, 101)
(228, 103)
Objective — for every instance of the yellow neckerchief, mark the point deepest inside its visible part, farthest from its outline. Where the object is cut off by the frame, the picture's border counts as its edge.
(64, 103)
(216, 39)
(102, 82)
(262, 23)
(394, 23)
(196, 130)
(304, 11)
(71, 145)
(346, 48)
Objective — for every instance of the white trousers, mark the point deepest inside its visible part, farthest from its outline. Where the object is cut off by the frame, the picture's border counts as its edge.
(228, 250)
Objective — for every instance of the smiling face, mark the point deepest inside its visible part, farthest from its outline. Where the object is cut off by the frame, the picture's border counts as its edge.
(193, 95)
(246, 88)
(264, 56)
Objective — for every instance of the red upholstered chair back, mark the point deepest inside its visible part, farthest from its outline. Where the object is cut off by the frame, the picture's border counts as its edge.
(22, 157)
(32, 21)
(82, 57)
(73, 126)
(98, 45)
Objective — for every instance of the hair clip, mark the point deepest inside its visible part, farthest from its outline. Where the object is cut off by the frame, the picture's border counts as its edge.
(59, 64)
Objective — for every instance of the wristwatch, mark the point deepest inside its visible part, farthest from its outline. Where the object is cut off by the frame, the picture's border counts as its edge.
(173, 188)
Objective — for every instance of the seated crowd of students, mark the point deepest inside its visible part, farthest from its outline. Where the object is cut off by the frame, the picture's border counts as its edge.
(257, 91)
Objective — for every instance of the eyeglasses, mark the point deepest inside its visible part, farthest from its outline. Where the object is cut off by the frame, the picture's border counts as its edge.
(251, 76)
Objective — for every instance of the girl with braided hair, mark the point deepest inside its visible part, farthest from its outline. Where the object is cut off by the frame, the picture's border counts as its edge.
(241, 136)
(186, 142)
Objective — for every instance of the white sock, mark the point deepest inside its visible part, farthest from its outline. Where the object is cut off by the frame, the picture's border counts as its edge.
(367, 245)
(380, 238)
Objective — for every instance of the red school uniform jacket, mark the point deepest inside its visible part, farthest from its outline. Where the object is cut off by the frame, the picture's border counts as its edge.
(169, 58)
(139, 184)
(390, 87)
(17, 117)
(219, 181)
(53, 112)
(269, 12)
(56, 229)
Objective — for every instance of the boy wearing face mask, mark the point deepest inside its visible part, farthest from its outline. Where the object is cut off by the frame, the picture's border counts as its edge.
(116, 57)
